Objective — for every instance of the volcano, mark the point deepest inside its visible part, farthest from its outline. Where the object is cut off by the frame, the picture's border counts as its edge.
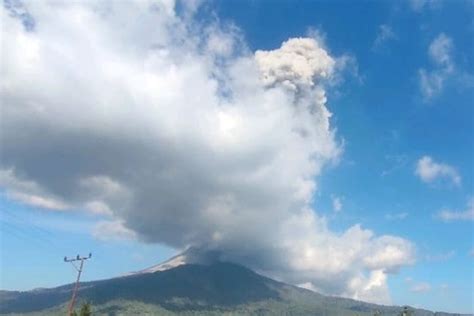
(191, 284)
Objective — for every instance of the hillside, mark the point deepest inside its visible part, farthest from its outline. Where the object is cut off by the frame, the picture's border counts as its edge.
(191, 289)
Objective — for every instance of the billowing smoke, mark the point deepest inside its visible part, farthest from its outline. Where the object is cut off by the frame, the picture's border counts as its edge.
(177, 133)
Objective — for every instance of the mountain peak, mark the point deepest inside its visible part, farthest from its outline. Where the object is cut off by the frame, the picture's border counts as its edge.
(191, 255)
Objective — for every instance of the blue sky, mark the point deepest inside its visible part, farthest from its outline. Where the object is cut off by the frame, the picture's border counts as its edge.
(386, 121)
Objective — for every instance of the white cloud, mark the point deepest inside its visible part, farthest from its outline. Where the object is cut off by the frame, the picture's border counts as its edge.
(98, 207)
(336, 203)
(370, 287)
(38, 201)
(389, 253)
(184, 137)
(113, 230)
(420, 287)
(385, 33)
(318, 35)
(29, 192)
(441, 256)
(417, 287)
(466, 215)
(396, 216)
(429, 171)
(432, 81)
(308, 286)
(440, 51)
(420, 5)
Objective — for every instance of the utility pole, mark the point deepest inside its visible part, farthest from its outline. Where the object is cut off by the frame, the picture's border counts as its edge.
(79, 271)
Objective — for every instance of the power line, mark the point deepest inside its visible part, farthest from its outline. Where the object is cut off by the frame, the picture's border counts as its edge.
(79, 271)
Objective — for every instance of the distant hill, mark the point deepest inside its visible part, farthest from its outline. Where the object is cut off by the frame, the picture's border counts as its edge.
(191, 289)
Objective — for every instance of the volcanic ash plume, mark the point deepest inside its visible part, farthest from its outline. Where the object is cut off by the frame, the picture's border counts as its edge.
(174, 132)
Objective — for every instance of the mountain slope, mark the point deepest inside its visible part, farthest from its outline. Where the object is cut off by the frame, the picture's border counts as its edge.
(191, 289)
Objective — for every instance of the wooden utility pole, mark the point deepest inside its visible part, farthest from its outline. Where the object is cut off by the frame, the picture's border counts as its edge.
(79, 271)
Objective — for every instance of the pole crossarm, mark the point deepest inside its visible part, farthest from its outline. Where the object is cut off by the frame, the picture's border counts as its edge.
(77, 258)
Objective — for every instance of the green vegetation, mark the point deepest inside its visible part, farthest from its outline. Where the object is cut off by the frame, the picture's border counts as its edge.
(86, 310)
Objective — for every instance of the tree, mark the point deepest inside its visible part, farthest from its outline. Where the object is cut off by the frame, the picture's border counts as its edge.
(85, 310)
